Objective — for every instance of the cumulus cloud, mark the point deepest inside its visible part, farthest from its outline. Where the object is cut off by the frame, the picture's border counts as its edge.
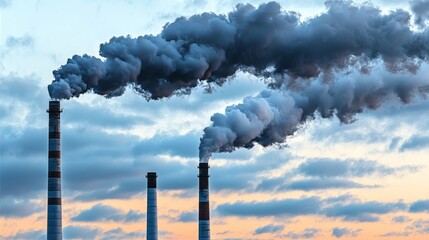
(329, 174)
(346, 207)
(80, 232)
(416, 142)
(119, 233)
(270, 228)
(105, 213)
(284, 207)
(305, 234)
(20, 179)
(345, 168)
(173, 145)
(400, 219)
(32, 234)
(363, 211)
(345, 232)
(191, 216)
(322, 184)
(24, 41)
(420, 206)
(420, 226)
(395, 234)
(80, 114)
(18, 208)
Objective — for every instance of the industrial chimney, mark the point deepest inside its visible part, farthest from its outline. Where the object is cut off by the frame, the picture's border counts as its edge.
(54, 173)
(204, 209)
(151, 215)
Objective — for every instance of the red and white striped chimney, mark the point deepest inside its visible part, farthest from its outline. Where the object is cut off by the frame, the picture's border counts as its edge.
(151, 214)
(54, 173)
(204, 208)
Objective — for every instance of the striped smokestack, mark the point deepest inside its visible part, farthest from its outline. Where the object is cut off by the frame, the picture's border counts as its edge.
(152, 218)
(54, 173)
(204, 209)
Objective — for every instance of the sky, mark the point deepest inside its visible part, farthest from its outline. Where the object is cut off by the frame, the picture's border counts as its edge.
(330, 179)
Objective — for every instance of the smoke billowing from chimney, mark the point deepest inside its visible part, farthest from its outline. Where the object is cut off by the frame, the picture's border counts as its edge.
(420, 9)
(273, 115)
(210, 48)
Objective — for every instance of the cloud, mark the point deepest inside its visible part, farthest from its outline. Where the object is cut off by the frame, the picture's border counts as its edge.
(119, 233)
(420, 9)
(400, 219)
(5, 3)
(100, 116)
(32, 234)
(394, 143)
(173, 145)
(324, 168)
(307, 233)
(284, 207)
(18, 208)
(344, 168)
(270, 184)
(322, 184)
(23, 89)
(80, 232)
(420, 206)
(24, 143)
(345, 232)
(395, 234)
(22, 177)
(270, 228)
(133, 216)
(363, 211)
(420, 226)
(191, 216)
(15, 42)
(415, 143)
(105, 213)
(23, 102)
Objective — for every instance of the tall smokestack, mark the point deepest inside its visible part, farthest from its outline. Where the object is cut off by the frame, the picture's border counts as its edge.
(152, 218)
(204, 208)
(54, 170)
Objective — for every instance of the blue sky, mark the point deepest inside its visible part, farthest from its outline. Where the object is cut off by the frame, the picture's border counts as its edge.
(331, 180)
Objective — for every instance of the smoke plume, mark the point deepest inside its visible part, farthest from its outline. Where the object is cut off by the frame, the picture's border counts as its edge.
(420, 9)
(210, 48)
(273, 115)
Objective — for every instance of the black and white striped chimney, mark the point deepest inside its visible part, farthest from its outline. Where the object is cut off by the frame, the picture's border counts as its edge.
(54, 229)
(204, 208)
(151, 215)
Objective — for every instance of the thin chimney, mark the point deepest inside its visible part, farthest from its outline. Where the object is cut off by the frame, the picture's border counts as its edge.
(204, 209)
(151, 215)
(54, 173)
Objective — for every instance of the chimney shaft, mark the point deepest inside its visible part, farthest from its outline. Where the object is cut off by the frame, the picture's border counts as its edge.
(152, 218)
(54, 229)
(204, 208)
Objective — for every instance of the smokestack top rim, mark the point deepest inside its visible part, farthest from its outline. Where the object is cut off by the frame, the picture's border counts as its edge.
(204, 170)
(54, 106)
(203, 165)
(151, 175)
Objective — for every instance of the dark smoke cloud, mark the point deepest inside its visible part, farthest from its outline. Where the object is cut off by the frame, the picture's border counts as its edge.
(273, 115)
(420, 9)
(210, 48)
